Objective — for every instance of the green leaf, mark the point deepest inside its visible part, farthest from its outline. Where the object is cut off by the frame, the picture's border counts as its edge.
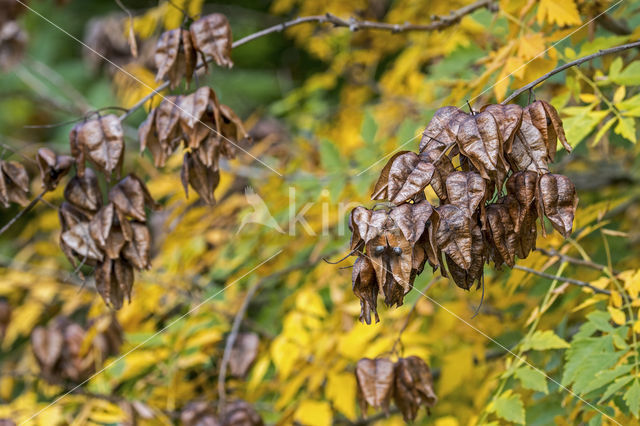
(407, 132)
(331, 158)
(604, 129)
(509, 406)
(600, 43)
(543, 340)
(585, 358)
(627, 129)
(601, 320)
(578, 127)
(615, 387)
(605, 377)
(629, 76)
(369, 128)
(614, 69)
(632, 398)
(532, 379)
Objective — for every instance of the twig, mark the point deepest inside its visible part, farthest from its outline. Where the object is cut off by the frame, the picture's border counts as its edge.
(563, 279)
(573, 260)
(235, 328)
(23, 211)
(561, 68)
(439, 23)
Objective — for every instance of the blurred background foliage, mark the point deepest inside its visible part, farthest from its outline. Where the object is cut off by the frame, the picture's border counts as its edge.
(325, 106)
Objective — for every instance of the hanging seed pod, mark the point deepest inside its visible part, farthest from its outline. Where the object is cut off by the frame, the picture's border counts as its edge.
(475, 221)
(14, 183)
(413, 387)
(53, 167)
(375, 383)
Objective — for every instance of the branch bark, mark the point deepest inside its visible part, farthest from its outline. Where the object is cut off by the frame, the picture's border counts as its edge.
(563, 279)
(561, 68)
(438, 23)
(237, 321)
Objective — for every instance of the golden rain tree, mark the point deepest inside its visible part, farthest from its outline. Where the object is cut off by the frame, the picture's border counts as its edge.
(318, 213)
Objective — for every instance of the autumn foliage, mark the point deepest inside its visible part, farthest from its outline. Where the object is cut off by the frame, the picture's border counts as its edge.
(183, 204)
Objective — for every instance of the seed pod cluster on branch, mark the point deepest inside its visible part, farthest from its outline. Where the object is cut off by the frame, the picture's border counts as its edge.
(236, 413)
(13, 39)
(178, 50)
(113, 238)
(61, 351)
(466, 159)
(207, 129)
(408, 382)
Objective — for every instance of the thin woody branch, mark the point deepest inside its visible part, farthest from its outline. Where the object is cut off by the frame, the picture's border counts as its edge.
(237, 321)
(568, 65)
(438, 23)
(563, 279)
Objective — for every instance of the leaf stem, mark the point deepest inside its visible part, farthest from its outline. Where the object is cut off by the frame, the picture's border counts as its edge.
(23, 211)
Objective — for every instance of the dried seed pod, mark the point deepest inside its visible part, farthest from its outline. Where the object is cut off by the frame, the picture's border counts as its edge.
(365, 287)
(509, 118)
(241, 413)
(167, 118)
(52, 167)
(546, 119)
(14, 183)
(202, 179)
(231, 127)
(138, 249)
(479, 139)
(61, 351)
(442, 130)
(114, 280)
(193, 108)
(443, 168)
(558, 201)
(522, 186)
(375, 379)
(412, 219)
(5, 317)
(211, 35)
(466, 190)
(101, 141)
(175, 56)
(76, 243)
(106, 232)
(148, 136)
(380, 190)
(47, 344)
(83, 191)
(529, 151)
(465, 278)
(359, 225)
(413, 387)
(13, 41)
(502, 234)
(453, 234)
(130, 196)
(199, 413)
(243, 353)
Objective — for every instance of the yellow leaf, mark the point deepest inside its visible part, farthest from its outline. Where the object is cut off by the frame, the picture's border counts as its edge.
(341, 391)
(617, 315)
(447, 421)
(313, 413)
(531, 46)
(627, 128)
(257, 373)
(457, 367)
(562, 12)
(619, 94)
(632, 284)
(309, 301)
(636, 327)
(284, 355)
(588, 98)
(616, 299)
(22, 322)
